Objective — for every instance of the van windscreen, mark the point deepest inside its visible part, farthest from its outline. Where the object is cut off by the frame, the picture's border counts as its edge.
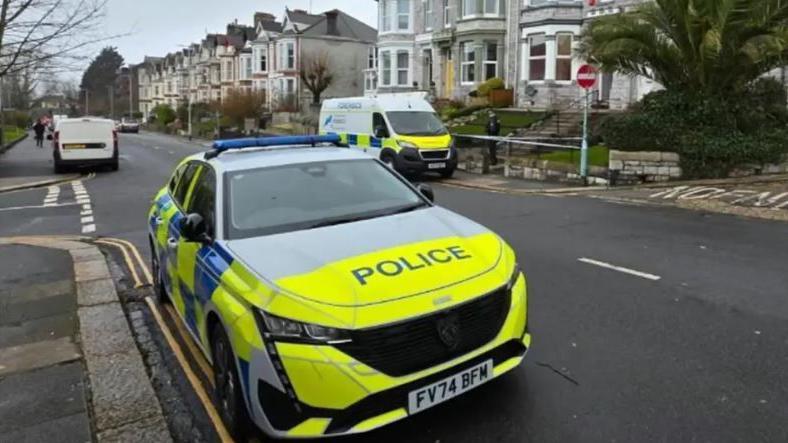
(416, 123)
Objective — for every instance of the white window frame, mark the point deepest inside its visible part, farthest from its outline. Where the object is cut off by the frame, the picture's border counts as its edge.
(465, 14)
(372, 57)
(467, 66)
(447, 13)
(385, 15)
(428, 17)
(408, 14)
(399, 69)
(390, 16)
(529, 57)
(487, 61)
(564, 57)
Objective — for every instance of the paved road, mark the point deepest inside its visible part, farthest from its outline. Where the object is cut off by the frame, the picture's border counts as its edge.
(689, 342)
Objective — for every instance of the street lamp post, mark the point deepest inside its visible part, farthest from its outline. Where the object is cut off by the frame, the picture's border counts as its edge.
(87, 98)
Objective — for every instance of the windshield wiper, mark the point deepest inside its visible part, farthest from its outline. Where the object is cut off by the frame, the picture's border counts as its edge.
(404, 209)
(339, 221)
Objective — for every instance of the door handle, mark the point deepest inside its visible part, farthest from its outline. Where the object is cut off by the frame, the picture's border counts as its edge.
(158, 221)
(172, 243)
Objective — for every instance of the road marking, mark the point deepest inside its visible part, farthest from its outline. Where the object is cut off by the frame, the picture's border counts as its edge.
(137, 282)
(203, 396)
(53, 193)
(602, 264)
(17, 208)
(87, 220)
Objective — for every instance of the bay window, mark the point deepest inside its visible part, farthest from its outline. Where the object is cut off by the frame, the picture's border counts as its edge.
(468, 62)
(394, 67)
(403, 15)
(563, 57)
(471, 8)
(490, 61)
(537, 57)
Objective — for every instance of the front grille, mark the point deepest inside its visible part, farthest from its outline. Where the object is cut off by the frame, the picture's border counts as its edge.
(435, 154)
(415, 345)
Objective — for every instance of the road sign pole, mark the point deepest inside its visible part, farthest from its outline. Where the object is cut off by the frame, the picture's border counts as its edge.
(584, 145)
(586, 79)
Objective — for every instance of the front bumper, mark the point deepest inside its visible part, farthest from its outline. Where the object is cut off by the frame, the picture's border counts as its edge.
(318, 391)
(409, 161)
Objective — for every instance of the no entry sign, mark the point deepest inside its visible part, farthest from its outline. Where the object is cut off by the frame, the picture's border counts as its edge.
(586, 76)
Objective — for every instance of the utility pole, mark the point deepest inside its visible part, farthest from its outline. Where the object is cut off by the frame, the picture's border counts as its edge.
(131, 95)
(87, 99)
(111, 91)
(190, 116)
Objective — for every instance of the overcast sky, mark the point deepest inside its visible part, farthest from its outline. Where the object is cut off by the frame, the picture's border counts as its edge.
(157, 27)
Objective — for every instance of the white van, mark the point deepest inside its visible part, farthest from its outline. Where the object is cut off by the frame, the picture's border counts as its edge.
(402, 130)
(85, 141)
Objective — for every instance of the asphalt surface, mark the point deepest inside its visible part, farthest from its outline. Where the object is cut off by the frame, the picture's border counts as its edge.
(689, 343)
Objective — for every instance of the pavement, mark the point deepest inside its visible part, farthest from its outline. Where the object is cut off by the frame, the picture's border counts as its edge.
(69, 367)
(27, 166)
(650, 322)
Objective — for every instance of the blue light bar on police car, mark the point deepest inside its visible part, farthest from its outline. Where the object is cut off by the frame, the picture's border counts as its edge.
(264, 142)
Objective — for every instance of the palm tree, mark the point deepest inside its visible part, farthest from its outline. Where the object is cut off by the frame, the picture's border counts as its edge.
(705, 46)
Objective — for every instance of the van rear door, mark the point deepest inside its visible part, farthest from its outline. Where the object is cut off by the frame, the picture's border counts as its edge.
(86, 139)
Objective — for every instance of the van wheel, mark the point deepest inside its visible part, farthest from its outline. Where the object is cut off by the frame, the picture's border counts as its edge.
(388, 159)
(447, 173)
(59, 168)
(114, 165)
(227, 387)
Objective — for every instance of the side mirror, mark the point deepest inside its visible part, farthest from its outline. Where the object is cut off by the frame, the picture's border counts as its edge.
(426, 191)
(194, 229)
(380, 132)
(49, 136)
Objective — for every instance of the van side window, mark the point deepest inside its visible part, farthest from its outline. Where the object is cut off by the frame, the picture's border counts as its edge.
(379, 121)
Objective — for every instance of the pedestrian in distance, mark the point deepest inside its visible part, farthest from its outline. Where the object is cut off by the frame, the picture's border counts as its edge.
(39, 129)
(493, 130)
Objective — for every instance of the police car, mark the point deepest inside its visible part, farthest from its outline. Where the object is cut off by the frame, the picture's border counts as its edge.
(330, 295)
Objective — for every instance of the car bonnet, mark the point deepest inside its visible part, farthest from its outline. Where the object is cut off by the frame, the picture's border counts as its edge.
(373, 261)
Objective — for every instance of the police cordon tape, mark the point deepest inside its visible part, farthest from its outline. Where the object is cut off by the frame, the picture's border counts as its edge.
(522, 140)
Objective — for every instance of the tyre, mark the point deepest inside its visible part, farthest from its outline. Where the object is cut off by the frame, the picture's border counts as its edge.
(228, 395)
(115, 165)
(158, 281)
(447, 173)
(59, 168)
(388, 159)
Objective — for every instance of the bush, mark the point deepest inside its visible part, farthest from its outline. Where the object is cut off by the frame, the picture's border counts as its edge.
(17, 118)
(164, 115)
(464, 112)
(712, 134)
(490, 85)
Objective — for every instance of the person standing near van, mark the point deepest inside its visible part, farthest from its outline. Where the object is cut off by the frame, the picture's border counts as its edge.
(493, 130)
(39, 129)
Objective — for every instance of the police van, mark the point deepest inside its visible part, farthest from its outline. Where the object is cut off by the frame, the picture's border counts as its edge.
(402, 130)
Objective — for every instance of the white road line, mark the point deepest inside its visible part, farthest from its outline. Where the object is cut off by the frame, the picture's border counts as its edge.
(602, 264)
(87, 220)
(17, 208)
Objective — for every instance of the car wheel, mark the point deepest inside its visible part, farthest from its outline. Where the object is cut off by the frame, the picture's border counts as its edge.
(447, 173)
(158, 282)
(228, 394)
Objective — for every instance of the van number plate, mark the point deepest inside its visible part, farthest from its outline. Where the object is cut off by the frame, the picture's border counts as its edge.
(74, 146)
(436, 165)
(450, 387)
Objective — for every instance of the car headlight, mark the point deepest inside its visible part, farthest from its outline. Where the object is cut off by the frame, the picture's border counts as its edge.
(284, 329)
(404, 144)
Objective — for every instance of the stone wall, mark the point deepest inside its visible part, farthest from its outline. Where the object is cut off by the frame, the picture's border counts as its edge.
(644, 166)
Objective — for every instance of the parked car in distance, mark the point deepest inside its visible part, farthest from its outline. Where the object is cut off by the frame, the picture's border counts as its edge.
(129, 125)
(85, 141)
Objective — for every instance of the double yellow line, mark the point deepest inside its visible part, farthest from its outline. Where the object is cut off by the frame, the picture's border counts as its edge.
(134, 262)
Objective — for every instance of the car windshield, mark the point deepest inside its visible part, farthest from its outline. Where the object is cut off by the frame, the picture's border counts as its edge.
(416, 123)
(312, 195)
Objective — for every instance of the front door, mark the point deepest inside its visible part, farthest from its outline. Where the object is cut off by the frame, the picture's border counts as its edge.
(198, 282)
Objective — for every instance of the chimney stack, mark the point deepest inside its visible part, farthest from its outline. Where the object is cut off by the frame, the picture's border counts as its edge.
(331, 22)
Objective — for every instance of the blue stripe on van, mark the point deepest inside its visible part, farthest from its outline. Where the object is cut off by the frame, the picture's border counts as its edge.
(352, 139)
(375, 142)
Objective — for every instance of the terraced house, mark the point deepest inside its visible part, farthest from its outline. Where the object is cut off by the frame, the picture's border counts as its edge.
(445, 46)
(265, 57)
(449, 47)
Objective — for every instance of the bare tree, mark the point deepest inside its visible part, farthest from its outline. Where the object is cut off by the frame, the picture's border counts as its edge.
(316, 73)
(46, 35)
